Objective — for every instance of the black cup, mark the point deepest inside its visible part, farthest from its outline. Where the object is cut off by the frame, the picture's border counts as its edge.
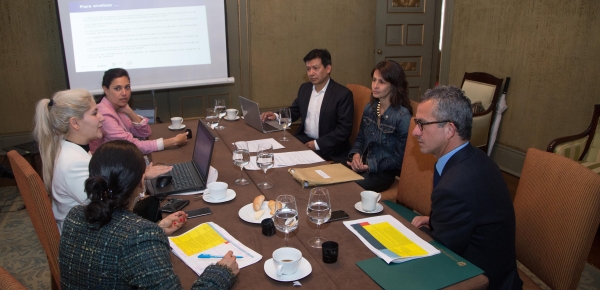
(330, 251)
(268, 227)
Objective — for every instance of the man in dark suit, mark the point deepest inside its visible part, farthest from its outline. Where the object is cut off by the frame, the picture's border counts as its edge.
(325, 107)
(471, 208)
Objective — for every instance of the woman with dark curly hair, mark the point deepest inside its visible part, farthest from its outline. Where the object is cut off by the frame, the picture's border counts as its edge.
(379, 147)
(105, 246)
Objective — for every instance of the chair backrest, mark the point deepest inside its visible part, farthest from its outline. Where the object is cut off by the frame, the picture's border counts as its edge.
(416, 176)
(361, 96)
(557, 209)
(39, 208)
(8, 282)
(484, 88)
(583, 146)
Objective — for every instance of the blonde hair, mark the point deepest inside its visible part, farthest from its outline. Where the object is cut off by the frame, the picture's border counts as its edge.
(52, 124)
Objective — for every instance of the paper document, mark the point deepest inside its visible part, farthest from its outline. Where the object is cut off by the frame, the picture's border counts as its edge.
(253, 145)
(212, 240)
(287, 159)
(390, 240)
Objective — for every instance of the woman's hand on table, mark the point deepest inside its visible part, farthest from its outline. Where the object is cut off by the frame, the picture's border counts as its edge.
(154, 171)
(356, 164)
(420, 221)
(173, 222)
(179, 140)
(230, 262)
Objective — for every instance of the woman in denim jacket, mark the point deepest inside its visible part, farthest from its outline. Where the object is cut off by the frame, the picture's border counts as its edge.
(379, 147)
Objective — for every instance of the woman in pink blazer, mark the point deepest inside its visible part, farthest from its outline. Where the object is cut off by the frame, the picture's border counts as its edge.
(120, 122)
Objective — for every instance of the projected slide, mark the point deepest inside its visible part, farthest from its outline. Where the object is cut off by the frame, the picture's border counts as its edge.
(118, 36)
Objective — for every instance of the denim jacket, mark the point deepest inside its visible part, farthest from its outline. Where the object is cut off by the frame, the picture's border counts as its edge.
(382, 145)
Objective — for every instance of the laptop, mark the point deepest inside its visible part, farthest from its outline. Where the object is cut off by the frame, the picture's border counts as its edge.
(252, 117)
(192, 175)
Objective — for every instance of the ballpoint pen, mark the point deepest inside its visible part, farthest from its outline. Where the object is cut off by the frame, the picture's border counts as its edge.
(209, 256)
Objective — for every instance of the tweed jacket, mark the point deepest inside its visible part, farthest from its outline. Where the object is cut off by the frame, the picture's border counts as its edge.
(127, 253)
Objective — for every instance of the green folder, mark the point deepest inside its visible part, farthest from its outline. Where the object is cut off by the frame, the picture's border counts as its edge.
(432, 272)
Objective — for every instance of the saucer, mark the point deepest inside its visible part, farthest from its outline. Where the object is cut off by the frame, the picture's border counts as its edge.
(177, 129)
(378, 208)
(228, 196)
(303, 271)
(247, 213)
(234, 119)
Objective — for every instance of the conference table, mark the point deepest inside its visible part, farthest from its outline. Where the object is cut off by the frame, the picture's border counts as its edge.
(344, 274)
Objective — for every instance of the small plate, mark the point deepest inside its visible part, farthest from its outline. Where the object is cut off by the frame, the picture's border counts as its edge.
(304, 270)
(234, 119)
(177, 129)
(247, 213)
(358, 207)
(228, 196)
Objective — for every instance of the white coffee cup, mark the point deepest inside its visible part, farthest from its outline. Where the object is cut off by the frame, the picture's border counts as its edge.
(176, 122)
(216, 190)
(286, 260)
(231, 113)
(369, 199)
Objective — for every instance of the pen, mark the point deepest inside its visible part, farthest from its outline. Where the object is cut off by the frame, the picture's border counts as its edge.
(208, 256)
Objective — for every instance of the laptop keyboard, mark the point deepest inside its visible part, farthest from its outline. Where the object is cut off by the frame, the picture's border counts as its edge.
(182, 177)
(269, 127)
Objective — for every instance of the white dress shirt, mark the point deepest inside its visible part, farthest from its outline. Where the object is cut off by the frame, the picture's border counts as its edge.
(311, 124)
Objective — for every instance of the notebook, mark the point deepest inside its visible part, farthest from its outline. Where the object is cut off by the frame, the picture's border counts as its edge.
(191, 175)
(252, 117)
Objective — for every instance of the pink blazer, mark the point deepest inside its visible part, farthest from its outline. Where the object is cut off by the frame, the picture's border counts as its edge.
(117, 126)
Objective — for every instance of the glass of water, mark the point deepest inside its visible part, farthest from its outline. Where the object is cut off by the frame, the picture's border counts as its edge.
(265, 160)
(241, 158)
(285, 120)
(220, 110)
(286, 215)
(319, 212)
(212, 119)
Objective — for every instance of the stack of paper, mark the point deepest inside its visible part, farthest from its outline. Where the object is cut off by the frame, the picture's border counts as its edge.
(287, 159)
(210, 240)
(390, 240)
(253, 145)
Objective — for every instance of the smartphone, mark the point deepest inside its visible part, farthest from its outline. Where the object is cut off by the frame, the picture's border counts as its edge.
(198, 212)
(174, 205)
(338, 215)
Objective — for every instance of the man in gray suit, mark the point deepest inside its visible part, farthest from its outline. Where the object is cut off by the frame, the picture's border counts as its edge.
(471, 208)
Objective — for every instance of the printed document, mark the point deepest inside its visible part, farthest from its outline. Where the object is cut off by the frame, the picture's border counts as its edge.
(287, 159)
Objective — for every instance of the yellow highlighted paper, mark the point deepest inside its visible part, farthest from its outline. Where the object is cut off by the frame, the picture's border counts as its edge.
(394, 240)
(198, 239)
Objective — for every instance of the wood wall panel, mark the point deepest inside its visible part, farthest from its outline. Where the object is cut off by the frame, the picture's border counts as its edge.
(550, 51)
(282, 32)
(31, 61)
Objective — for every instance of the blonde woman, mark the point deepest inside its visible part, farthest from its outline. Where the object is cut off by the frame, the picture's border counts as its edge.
(64, 126)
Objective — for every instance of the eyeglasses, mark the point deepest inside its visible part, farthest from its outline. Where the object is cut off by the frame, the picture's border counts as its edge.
(421, 123)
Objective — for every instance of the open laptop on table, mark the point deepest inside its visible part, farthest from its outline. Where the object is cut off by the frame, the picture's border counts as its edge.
(252, 117)
(192, 175)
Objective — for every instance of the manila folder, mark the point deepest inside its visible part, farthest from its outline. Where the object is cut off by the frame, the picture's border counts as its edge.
(324, 174)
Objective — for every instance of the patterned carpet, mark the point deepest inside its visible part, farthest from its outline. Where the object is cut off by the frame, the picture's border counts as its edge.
(22, 255)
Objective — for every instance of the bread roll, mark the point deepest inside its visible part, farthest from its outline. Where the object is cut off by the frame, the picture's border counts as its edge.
(257, 204)
(272, 206)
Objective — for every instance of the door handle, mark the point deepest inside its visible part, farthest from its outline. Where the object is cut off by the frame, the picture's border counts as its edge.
(379, 51)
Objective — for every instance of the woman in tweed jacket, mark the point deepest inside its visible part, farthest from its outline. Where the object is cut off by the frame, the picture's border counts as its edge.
(105, 246)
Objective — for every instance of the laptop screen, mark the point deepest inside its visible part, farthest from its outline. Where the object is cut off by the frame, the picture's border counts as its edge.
(203, 150)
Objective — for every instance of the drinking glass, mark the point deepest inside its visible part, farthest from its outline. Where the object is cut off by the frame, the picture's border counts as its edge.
(212, 119)
(241, 157)
(319, 212)
(286, 215)
(220, 109)
(285, 120)
(265, 160)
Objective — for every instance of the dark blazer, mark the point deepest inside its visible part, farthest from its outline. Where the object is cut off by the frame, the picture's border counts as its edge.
(472, 214)
(335, 119)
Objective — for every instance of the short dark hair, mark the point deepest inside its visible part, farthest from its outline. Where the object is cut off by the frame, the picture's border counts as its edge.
(393, 73)
(453, 105)
(116, 168)
(323, 54)
(113, 73)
